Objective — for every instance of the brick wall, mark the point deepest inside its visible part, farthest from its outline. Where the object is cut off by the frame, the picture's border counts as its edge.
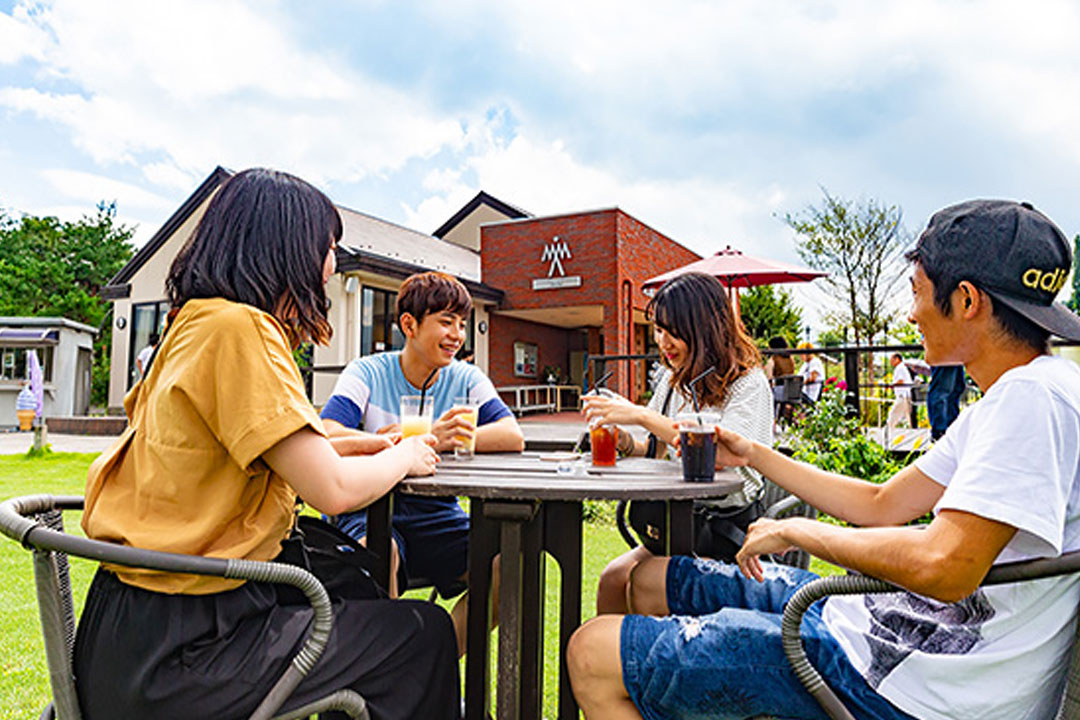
(611, 251)
(552, 345)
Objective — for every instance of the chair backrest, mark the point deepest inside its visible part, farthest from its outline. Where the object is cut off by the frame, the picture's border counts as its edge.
(778, 503)
(52, 581)
(791, 388)
(1070, 699)
(37, 522)
(808, 594)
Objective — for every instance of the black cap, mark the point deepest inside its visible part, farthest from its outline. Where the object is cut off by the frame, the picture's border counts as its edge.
(1009, 250)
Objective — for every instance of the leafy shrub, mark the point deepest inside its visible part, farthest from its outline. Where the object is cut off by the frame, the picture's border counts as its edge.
(828, 436)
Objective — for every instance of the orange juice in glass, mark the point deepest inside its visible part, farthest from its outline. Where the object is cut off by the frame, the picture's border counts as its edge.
(416, 420)
(471, 412)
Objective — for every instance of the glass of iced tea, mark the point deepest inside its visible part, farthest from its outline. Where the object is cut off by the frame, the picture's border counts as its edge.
(697, 443)
(414, 420)
(603, 438)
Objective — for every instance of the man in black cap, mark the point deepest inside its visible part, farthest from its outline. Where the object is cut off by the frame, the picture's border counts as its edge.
(1003, 484)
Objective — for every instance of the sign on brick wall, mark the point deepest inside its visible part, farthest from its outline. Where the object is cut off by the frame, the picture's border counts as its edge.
(555, 252)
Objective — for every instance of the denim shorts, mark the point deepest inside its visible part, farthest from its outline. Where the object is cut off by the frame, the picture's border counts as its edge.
(719, 655)
(432, 535)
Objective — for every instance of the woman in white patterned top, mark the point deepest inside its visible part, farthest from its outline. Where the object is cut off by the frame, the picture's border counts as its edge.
(695, 329)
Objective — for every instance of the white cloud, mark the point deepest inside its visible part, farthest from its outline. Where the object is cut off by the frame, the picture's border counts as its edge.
(19, 39)
(91, 189)
(208, 83)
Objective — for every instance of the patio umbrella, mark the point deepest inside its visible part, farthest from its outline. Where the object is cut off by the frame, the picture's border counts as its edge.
(736, 270)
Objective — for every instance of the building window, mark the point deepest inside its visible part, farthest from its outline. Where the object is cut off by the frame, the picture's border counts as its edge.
(525, 359)
(146, 319)
(14, 366)
(378, 326)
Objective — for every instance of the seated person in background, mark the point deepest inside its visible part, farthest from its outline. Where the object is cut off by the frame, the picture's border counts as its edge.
(430, 534)
(221, 441)
(902, 408)
(142, 360)
(781, 363)
(695, 329)
(813, 374)
(1003, 484)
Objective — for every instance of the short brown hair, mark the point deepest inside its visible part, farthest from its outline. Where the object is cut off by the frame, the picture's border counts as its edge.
(432, 292)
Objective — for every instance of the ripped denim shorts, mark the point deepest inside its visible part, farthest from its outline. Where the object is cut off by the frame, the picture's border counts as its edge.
(719, 655)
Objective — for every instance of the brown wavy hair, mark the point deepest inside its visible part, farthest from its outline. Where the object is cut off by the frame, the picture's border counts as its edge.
(262, 242)
(694, 308)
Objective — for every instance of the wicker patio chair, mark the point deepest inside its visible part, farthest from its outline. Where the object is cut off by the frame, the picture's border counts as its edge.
(36, 522)
(1066, 564)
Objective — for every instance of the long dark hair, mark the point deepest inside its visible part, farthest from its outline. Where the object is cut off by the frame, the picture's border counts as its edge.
(694, 308)
(262, 242)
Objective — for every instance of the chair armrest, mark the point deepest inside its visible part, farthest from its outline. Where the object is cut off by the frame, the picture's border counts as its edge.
(36, 536)
(783, 506)
(810, 593)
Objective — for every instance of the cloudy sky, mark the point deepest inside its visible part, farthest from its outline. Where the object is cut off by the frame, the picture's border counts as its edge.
(706, 120)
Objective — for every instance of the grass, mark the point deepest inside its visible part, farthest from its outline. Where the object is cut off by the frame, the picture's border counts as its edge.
(23, 675)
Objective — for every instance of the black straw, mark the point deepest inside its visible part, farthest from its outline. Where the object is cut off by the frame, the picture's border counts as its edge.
(603, 379)
(693, 391)
(424, 387)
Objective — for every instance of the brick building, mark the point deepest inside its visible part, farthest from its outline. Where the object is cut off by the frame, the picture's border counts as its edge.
(547, 291)
(571, 289)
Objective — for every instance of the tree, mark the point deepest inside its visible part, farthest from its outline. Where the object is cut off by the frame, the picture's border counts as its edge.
(54, 268)
(768, 311)
(860, 245)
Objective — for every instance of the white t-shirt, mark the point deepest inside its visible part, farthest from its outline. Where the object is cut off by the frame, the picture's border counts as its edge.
(813, 388)
(1013, 457)
(902, 376)
(144, 357)
(747, 410)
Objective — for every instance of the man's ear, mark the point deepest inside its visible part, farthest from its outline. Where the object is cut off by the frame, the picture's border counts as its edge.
(408, 325)
(969, 299)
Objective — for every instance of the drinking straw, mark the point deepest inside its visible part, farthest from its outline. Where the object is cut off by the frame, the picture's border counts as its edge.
(424, 387)
(597, 385)
(693, 391)
(603, 379)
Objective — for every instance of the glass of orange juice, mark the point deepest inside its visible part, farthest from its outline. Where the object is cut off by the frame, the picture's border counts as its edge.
(414, 419)
(472, 413)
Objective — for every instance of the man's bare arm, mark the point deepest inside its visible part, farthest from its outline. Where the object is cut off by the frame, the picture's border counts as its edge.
(945, 560)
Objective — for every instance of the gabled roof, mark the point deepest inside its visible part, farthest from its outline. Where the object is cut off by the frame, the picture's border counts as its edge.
(118, 287)
(482, 198)
(368, 243)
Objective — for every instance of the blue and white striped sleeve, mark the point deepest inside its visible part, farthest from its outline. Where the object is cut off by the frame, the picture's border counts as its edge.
(492, 407)
(350, 398)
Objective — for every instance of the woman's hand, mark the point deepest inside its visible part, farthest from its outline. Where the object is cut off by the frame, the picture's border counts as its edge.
(421, 450)
(613, 410)
(763, 537)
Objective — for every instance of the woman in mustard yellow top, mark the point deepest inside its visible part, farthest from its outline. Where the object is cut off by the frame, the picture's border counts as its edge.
(221, 440)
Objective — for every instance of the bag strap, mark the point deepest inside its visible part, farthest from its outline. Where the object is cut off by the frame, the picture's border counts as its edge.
(652, 449)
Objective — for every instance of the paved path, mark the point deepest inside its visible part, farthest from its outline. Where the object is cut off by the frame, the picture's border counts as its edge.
(12, 443)
(542, 432)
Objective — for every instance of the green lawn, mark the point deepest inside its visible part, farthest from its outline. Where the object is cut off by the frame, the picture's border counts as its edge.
(23, 675)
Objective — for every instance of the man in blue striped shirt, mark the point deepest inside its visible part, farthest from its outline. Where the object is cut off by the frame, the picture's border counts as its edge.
(430, 534)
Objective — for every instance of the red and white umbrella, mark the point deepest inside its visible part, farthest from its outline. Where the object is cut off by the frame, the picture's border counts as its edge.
(736, 270)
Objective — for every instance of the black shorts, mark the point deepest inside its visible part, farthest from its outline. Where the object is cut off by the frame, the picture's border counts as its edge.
(142, 654)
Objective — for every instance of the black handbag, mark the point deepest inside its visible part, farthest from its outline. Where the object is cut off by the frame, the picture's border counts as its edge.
(718, 532)
(342, 565)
